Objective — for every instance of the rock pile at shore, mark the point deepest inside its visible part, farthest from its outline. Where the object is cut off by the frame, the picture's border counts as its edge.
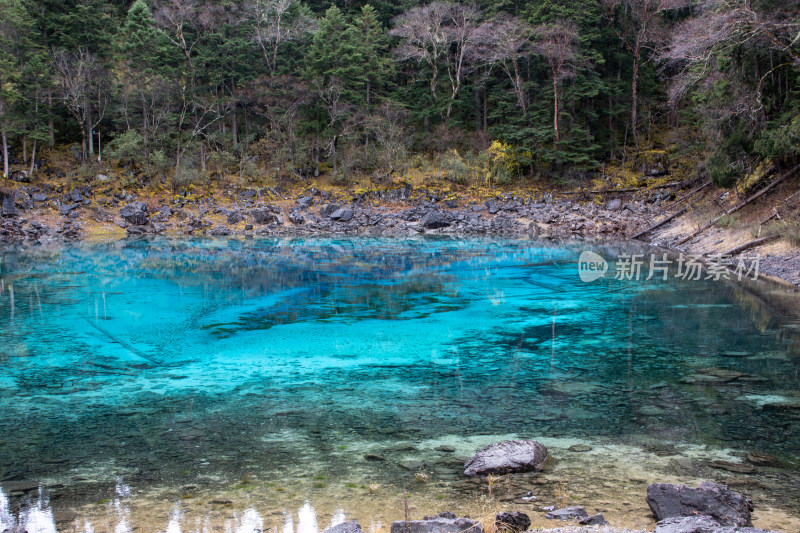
(392, 212)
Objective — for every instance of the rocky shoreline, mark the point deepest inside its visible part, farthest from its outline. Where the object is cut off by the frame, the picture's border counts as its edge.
(393, 212)
(46, 214)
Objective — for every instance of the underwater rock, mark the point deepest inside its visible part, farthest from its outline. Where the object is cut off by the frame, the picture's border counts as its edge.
(580, 448)
(729, 508)
(594, 520)
(411, 464)
(19, 486)
(444, 523)
(568, 513)
(507, 457)
(513, 521)
(345, 527)
(687, 524)
(446, 448)
(737, 468)
(374, 457)
(762, 459)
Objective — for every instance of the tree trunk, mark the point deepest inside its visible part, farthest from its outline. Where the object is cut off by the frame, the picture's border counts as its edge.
(235, 127)
(145, 132)
(51, 130)
(24, 147)
(555, 105)
(635, 93)
(333, 153)
(89, 128)
(33, 159)
(4, 140)
(478, 120)
(485, 110)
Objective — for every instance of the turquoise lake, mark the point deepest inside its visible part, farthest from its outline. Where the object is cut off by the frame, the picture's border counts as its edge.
(323, 372)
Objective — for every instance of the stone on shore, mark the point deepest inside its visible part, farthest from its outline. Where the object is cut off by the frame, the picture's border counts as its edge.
(514, 521)
(594, 520)
(446, 522)
(727, 507)
(7, 198)
(507, 457)
(135, 213)
(687, 524)
(568, 513)
(434, 220)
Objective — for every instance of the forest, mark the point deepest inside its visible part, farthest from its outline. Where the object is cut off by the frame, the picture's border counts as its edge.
(191, 90)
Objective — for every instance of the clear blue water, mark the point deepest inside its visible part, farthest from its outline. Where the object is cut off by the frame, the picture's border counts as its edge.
(169, 360)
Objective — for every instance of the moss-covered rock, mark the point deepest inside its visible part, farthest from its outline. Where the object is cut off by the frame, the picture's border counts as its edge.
(652, 163)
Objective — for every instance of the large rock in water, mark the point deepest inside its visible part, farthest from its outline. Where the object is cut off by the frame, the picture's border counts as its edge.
(345, 527)
(727, 507)
(507, 457)
(135, 213)
(445, 522)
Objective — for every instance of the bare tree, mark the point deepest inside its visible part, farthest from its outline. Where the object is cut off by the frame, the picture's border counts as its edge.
(558, 44)
(388, 126)
(424, 38)
(183, 23)
(640, 30)
(81, 87)
(278, 99)
(721, 26)
(442, 36)
(330, 95)
(275, 25)
(463, 32)
(504, 42)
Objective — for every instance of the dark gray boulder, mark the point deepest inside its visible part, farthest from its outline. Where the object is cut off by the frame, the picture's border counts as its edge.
(345, 527)
(328, 210)
(444, 523)
(727, 507)
(264, 216)
(434, 220)
(39, 197)
(507, 457)
(594, 520)
(568, 513)
(135, 213)
(7, 197)
(513, 521)
(296, 217)
(220, 231)
(66, 209)
(305, 201)
(234, 217)
(687, 524)
(342, 215)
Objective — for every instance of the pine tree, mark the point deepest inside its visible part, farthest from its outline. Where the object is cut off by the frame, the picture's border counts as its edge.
(373, 51)
(335, 54)
(15, 33)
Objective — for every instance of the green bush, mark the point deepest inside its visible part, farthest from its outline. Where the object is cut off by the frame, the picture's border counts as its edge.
(723, 172)
(127, 146)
